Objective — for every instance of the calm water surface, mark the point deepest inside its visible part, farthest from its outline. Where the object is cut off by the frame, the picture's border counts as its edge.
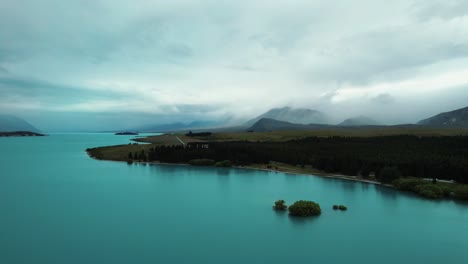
(59, 206)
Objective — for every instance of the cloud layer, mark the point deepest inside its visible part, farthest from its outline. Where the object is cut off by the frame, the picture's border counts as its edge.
(399, 60)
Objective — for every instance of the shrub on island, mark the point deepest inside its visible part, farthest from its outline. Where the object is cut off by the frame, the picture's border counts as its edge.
(201, 162)
(280, 205)
(340, 207)
(224, 163)
(304, 208)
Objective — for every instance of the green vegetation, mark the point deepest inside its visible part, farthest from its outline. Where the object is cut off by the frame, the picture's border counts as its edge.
(430, 190)
(305, 208)
(224, 163)
(280, 205)
(201, 162)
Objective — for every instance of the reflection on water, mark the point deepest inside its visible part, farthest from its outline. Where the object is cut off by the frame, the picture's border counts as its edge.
(349, 186)
(365, 186)
(298, 221)
(222, 171)
(291, 177)
(387, 193)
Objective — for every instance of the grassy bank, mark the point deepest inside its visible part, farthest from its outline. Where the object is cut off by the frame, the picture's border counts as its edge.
(432, 189)
(121, 152)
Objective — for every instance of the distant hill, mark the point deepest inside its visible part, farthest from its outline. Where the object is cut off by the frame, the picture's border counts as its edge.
(293, 115)
(9, 123)
(359, 121)
(268, 124)
(456, 118)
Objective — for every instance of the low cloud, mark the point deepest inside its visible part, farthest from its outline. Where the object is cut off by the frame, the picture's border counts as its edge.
(383, 99)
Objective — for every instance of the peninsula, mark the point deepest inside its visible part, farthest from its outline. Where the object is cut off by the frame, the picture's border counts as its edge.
(409, 161)
(21, 134)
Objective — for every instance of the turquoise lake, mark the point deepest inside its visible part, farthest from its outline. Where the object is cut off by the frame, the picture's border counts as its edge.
(57, 205)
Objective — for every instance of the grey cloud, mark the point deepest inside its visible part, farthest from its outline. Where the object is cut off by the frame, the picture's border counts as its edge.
(48, 92)
(389, 51)
(179, 50)
(214, 59)
(443, 9)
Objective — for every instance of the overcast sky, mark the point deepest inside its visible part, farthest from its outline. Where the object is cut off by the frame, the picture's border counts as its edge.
(111, 64)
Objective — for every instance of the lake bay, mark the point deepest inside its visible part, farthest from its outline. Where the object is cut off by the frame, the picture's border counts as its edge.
(57, 205)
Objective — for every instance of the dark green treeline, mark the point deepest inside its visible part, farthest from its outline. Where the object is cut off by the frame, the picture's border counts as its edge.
(428, 157)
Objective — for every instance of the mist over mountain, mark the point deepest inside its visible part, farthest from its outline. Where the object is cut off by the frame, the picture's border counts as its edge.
(175, 126)
(10, 123)
(293, 115)
(268, 124)
(456, 118)
(359, 121)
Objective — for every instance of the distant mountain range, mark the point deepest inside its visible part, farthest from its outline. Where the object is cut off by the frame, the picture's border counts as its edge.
(456, 118)
(268, 124)
(292, 115)
(287, 118)
(10, 123)
(359, 121)
(171, 127)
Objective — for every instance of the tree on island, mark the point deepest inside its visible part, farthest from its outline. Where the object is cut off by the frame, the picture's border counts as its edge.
(280, 205)
(305, 208)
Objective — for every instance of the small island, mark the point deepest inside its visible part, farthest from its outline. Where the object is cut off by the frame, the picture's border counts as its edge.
(304, 208)
(126, 133)
(21, 134)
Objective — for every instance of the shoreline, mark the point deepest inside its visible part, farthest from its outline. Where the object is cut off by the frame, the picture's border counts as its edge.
(319, 174)
(292, 170)
(258, 168)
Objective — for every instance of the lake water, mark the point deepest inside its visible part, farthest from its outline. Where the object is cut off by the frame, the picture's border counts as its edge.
(57, 205)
